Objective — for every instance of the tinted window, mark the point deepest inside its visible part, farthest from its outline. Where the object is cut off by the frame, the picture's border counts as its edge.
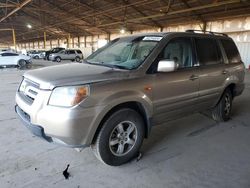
(79, 51)
(71, 51)
(9, 54)
(231, 51)
(178, 50)
(55, 50)
(207, 51)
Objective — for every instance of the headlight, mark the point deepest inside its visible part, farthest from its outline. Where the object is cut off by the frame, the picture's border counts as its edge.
(68, 96)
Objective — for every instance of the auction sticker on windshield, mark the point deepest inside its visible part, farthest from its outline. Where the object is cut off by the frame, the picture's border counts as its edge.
(152, 38)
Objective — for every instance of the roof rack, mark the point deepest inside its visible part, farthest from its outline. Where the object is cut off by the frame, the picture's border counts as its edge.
(206, 32)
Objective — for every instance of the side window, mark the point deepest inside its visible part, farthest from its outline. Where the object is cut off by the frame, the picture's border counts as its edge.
(207, 51)
(178, 50)
(71, 51)
(79, 51)
(231, 51)
(9, 54)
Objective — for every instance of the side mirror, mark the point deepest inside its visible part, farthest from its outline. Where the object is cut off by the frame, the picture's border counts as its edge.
(167, 66)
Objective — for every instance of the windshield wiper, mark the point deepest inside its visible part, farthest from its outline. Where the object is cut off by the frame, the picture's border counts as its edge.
(114, 66)
(107, 65)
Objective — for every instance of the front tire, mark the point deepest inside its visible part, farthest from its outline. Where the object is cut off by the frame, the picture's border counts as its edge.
(21, 63)
(58, 59)
(120, 137)
(222, 111)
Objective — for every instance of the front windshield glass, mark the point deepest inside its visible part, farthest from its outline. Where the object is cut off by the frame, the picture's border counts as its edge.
(124, 53)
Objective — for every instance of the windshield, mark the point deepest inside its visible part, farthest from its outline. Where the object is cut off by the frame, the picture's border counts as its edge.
(124, 53)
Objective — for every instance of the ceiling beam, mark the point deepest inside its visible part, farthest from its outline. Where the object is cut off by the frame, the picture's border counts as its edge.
(75, 16)
(211, 5)
(16, 9)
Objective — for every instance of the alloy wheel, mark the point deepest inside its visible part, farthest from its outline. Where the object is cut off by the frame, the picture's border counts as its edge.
(123, 138)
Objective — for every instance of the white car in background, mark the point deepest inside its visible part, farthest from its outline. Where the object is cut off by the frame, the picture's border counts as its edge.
(37, 54)
(11, 58)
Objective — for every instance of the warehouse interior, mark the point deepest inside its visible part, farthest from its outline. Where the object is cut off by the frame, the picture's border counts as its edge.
(90, 24)
(194, 151)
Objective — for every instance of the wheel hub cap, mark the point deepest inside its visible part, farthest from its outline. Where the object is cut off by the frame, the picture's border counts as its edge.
(123, 138)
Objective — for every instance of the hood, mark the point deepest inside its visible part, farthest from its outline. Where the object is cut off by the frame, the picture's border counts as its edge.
(73, 74)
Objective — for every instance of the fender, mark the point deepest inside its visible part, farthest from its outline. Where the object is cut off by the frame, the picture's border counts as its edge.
(120, 98)
(232, 79)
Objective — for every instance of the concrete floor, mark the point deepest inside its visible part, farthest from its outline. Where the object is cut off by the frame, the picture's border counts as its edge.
(190, 152)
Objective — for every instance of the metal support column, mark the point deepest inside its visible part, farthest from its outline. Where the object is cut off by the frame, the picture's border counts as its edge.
(44, 40)
(14, 38)
(68, 40)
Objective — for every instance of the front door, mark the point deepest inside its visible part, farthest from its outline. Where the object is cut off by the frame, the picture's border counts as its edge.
(175, 93)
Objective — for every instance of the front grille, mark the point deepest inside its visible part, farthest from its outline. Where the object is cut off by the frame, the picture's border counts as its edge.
(29, 90)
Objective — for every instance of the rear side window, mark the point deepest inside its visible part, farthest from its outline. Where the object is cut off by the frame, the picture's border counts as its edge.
(9, 54)
(79, 51)
(231, 51)
(207, 51)
(71, 51)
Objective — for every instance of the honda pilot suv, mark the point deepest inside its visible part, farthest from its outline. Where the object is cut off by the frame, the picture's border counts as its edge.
(73, 55)
(112, 100)
(53, 50)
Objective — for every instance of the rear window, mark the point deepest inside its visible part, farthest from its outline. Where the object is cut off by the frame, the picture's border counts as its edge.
(207, 51)
(231, 51)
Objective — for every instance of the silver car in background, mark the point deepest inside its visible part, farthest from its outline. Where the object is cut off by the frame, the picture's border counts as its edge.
(68, 54)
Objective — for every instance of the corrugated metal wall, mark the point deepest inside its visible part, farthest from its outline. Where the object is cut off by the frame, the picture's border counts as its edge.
(244, 48)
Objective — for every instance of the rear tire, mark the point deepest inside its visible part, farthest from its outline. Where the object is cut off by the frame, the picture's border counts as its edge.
(77, 59)
(120, 137)
(222, 111)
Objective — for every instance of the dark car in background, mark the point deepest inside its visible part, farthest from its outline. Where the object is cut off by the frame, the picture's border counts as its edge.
(53, 50)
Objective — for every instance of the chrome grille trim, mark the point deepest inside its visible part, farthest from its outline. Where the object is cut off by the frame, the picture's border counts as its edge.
(29, 90)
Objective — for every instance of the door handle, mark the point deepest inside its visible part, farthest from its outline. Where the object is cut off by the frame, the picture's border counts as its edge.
(193, 77)
(224, 72)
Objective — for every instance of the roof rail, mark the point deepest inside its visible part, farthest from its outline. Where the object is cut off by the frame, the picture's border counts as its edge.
(206, 32)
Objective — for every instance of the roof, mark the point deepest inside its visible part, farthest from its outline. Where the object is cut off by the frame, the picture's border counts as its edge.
(61, 18)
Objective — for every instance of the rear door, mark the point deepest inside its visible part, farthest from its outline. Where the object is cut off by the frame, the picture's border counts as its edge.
(175, 93)
(213, 71)
(66, 55)
(72, 54)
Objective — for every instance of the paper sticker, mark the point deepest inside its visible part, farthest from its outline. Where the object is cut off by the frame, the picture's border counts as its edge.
(152, 38)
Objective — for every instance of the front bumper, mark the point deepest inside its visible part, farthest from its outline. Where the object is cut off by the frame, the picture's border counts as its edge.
(71, 127)
(35, 129)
